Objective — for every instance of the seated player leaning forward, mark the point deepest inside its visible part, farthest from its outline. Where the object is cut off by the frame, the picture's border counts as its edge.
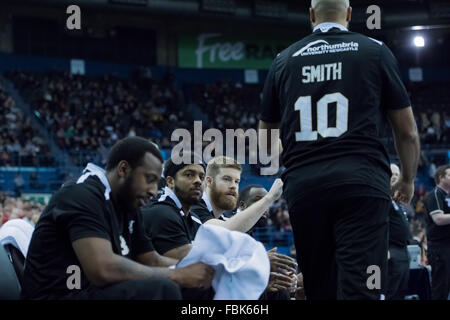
(172, 224)
(89, 242)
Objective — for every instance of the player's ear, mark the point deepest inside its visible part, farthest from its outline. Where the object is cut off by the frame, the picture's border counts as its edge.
(349, 14)
(123, 169)
(170, 182)
(312, 15)
(208, 181)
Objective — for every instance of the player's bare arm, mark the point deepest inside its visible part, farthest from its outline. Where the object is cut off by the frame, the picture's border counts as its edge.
(440, 218)
(247, 218)
(154, 259)
(103, 267)
(179, 252)
(407, 144)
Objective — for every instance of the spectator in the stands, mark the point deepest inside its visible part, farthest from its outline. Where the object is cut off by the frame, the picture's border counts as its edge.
(19, 184)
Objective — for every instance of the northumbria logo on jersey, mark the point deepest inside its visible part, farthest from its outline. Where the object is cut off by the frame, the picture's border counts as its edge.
(448, 201)
(323, 47)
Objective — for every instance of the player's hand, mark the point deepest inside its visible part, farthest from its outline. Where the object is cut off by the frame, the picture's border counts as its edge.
(281, 263)
(275, 192)
(403, 191)
(300, 292)
(279, 281)
(197, 275)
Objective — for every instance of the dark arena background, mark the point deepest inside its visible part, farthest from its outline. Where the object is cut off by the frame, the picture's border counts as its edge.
(77, 76)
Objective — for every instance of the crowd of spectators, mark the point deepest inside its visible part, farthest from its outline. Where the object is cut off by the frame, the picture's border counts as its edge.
(12, 207)
(20, 145)
(228, 105)
(434, 127)
(431, 104)
(88, 115)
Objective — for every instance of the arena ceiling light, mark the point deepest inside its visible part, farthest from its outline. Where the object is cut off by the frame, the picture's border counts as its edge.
(419, 41)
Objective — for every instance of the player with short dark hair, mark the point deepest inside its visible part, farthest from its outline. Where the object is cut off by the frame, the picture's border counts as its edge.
(132, 151)
(438, 233)
(169, 220)
(249, 195)
(332, 94)
(89, 242)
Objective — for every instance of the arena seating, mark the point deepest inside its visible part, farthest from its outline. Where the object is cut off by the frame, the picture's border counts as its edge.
(87, 115)
(20, 144)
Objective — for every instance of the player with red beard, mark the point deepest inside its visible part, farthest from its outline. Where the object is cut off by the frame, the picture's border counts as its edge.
(222, 179)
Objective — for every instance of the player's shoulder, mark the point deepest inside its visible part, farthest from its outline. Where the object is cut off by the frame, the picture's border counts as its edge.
(200, 206)
(363, 39)
(440, 193)
(158, 209)
(201, 210)
(89, 192)
(287, 52)
(318, 38)
(434, 195)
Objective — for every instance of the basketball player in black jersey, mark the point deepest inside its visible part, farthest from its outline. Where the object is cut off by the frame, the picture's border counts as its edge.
(331, 95)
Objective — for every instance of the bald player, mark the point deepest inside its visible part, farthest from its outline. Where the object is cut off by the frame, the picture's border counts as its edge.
(331, 94)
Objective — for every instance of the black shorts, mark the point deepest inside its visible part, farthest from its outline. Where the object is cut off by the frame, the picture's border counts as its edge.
(341, 243)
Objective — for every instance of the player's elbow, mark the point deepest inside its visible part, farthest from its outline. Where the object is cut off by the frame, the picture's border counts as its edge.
(404, 125)
(407, 133)
(410, 136)
(103, 275)
(98, 278)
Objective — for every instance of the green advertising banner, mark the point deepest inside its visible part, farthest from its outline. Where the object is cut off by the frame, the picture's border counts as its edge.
(216, 50)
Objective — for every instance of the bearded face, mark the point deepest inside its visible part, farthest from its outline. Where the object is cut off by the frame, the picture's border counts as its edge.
(126, 196)
(190, 197)
(223, 199)
(224, 188)
(188, 184)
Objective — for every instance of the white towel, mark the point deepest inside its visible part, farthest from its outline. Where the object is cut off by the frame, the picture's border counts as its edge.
(241, 264)
(17, 232)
